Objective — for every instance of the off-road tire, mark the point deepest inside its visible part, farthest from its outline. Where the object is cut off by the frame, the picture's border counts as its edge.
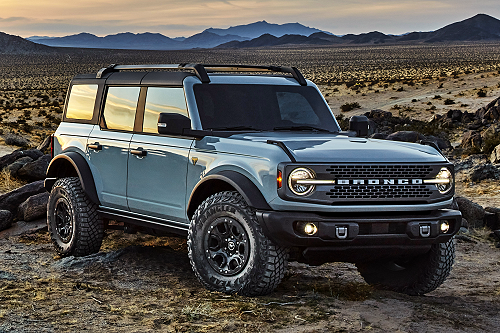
(413, 276)
(74, 226)
(265, 263)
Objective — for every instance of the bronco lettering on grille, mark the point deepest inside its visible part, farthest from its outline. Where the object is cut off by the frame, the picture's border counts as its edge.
(379, 181)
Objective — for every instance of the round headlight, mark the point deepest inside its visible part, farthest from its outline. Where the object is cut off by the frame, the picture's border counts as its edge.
(446, 178)
(294, 181)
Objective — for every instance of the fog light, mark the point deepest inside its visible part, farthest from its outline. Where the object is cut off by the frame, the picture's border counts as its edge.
(310, 229)
(445, 226)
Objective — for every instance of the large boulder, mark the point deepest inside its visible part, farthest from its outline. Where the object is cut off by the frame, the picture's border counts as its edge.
(34, 207)
(472, 141)
(11, 200)
(492, 218)
(406, 136)
(16, 140)
(5, 219)
(495, 155)
(35, 170)
(482, 172)
(472, 212)
(13, 168)
(15, 155)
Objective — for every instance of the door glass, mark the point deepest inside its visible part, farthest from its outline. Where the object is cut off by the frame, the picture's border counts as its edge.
(159, 100)
(120, 107)
(81, 101)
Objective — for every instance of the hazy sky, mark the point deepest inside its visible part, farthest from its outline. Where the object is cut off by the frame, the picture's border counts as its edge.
(184, 18)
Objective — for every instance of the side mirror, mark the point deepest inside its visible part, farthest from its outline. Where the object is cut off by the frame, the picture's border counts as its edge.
(173, 123)
(359, 124)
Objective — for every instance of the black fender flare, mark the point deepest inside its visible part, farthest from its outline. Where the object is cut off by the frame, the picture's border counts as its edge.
(239, 182)
(58, 168)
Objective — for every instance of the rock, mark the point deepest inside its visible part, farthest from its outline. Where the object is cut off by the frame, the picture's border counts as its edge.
(16, 140)
(441, 143)
(18, 164)
(406, 136)
(472, 212)
(472, 140)
(35, 170)
(482, 172)
(493, 219)
(495, 155)
(34, 207)
(45, 144)
(5, 219)
(378, 136)
(11, 200)
(15, 155)
(470, 161)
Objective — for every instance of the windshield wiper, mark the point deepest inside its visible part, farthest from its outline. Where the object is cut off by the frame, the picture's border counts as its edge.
(300, 128)
(235, 128)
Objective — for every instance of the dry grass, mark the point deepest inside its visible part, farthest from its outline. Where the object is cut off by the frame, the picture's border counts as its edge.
(9, 183)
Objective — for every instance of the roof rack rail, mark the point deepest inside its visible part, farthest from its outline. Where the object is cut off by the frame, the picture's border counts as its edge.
(202, 70)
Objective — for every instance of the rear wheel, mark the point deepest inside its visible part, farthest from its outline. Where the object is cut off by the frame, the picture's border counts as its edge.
(228, 250)
(413, 276)
(74, 225)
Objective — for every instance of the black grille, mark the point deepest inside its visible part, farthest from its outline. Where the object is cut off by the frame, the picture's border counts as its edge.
(379, 192)
(380, 171)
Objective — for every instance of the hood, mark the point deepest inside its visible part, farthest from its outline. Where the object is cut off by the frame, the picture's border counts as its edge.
(329, 148)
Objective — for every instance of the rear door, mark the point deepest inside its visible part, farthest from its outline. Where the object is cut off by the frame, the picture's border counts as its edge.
(157, 165)
(108, 145)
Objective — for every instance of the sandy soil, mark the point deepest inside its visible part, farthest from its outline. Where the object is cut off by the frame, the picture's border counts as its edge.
(145, 284)
(413, 99)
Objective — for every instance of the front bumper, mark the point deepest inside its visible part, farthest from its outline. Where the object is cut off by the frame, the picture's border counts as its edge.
(354, 236)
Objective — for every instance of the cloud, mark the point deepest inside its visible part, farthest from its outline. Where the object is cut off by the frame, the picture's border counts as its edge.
(176, 17)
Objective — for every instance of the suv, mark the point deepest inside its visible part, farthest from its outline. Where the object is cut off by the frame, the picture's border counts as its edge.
(251, 165)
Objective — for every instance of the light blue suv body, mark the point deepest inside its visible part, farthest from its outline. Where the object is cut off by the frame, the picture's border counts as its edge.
(156, 150)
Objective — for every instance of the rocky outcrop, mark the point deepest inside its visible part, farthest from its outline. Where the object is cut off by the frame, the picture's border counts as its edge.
(471, 211)
(10, 201)
(34, 207)
(5, 219)
(495, 155)
(35, 170)
(475, 168)
(14, 156)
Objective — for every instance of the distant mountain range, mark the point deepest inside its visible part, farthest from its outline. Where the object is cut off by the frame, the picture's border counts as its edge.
(10, 44)
(481, 27)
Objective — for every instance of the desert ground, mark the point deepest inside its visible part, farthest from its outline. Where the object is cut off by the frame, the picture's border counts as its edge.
(140, 283)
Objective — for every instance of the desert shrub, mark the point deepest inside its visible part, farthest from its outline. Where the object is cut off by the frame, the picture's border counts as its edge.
(414, 100)
(437, 97)
(490, 143)
(400, 89)
(343, 121)
(449, 101)
(349, 106)
(481, 93)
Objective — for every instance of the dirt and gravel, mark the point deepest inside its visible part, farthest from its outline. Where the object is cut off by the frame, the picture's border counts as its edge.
(140, 283)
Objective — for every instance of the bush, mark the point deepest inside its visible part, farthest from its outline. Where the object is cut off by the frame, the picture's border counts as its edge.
(449, 101)
(349, 106)
(481, 93)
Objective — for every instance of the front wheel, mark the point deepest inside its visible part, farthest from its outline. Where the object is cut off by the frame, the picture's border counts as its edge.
(413, 276)
(228, 250)
(74, 226)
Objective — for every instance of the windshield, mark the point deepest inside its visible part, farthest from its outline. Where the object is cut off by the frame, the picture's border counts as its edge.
(262, 107)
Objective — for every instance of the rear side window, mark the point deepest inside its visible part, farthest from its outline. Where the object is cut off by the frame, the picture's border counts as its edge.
(81, 101)
(120, 107)
(159, 100)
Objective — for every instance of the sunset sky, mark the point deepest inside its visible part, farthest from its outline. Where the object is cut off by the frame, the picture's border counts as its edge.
(183, 18)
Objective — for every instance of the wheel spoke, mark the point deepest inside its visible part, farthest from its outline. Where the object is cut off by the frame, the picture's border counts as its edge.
(227, 246)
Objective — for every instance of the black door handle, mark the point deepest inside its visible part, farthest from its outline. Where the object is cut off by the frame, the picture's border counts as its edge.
(139, 152)
(95, 146)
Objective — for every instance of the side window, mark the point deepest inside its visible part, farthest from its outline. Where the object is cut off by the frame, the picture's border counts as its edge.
(294, 107)
(81, 101)
(159, 100)
(120, 107)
